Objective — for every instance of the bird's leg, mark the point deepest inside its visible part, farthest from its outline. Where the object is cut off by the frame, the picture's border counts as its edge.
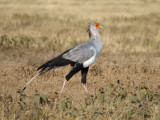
(64, 83)
(84, 72)
(70, 74)
(84, 85)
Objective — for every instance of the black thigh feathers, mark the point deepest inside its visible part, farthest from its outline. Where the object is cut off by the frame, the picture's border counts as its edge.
(84, 72)
(76, 69)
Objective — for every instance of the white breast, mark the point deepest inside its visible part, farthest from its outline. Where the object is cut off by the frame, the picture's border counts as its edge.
(91, 60)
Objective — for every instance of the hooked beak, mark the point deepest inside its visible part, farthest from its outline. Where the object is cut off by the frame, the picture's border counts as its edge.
(100, 26)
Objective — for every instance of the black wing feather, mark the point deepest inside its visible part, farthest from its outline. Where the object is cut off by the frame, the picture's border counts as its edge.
(58, 61)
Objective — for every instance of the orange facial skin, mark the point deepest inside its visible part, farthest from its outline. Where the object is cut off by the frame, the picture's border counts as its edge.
(97, 25)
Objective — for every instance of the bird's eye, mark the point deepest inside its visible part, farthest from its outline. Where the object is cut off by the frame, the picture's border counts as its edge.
(96, 25)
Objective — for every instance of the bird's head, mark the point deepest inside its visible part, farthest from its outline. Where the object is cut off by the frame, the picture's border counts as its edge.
(93, 28)
(96, 25)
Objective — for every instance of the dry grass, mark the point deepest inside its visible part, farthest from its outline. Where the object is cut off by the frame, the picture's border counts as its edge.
(123, 83)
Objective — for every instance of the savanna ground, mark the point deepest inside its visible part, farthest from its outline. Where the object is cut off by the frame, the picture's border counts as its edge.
(124, 83)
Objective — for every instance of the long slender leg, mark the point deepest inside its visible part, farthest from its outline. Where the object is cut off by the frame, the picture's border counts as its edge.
(84, 85)
(70, 74)
(84, 72)
(64, 83)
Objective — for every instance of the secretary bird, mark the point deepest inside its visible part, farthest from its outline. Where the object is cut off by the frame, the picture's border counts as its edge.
(79, 57)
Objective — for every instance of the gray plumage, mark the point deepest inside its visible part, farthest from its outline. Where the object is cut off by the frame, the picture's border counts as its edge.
(80, 53)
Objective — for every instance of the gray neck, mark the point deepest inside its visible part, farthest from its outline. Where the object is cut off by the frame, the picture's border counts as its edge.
(95, 38)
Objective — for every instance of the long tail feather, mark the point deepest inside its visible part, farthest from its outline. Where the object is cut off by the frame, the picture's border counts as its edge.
(53, 63)
(29, 82)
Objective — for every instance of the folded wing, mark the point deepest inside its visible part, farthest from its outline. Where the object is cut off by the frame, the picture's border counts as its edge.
(80, 53)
